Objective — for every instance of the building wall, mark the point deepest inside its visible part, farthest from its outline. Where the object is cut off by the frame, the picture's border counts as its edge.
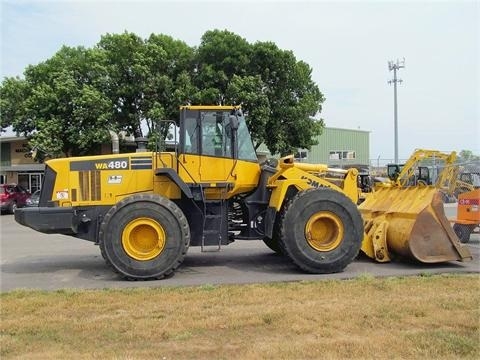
(20, 153)
(356, 142)
(17, 165)
(336, 140)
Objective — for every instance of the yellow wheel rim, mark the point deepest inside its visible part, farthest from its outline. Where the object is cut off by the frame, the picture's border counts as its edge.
(143, 239)
(324, 231)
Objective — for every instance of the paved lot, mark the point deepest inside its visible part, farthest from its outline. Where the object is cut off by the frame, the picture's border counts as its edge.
(33, 260)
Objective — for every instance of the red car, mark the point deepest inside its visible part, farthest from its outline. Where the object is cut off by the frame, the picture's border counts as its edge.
(11, 197)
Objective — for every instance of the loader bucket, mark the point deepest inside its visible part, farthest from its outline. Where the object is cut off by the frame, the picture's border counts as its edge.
(411, 223)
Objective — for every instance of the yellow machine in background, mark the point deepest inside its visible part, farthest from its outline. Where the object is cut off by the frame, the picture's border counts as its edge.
(415, 170)
(146, 209)
(405, 216)
(409, 222)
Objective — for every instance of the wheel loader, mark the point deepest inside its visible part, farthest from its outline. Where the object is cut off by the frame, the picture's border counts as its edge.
(145, 209)
(405, 217)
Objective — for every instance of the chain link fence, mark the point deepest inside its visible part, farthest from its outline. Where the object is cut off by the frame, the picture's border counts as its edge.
(454, 179)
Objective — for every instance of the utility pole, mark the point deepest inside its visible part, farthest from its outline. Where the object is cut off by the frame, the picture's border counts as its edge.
(395, 66)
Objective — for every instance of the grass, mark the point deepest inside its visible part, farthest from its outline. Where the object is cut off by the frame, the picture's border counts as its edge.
(427, 317)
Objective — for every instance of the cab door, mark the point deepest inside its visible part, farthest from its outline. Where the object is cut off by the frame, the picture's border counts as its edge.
(208, 148)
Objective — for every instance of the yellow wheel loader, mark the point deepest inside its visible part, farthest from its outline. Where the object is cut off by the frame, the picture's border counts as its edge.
(145, 209)
(405, 216)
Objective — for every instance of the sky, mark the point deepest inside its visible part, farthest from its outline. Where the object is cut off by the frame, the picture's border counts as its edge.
(347, 44)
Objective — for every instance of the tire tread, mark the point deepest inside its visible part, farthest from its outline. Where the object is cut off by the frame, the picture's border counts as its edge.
(146, 198)
(283, 226)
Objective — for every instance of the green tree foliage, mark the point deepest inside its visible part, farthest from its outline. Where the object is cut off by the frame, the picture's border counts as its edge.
(128, 73)
(12, 94)
(67, 103)
(148, 79)
(59, 105)
(275, 89)
(466, 156)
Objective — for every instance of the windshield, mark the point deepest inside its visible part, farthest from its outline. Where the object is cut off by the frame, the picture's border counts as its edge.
(209, 132)
(393, 171)
(246, 151)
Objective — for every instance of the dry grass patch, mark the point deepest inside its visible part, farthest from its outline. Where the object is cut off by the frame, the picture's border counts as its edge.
(418, 317)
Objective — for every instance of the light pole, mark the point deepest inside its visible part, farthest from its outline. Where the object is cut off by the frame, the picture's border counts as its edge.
(395, 66)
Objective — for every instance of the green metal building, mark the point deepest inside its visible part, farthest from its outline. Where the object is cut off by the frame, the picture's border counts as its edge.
(341, 147)
(337, 148)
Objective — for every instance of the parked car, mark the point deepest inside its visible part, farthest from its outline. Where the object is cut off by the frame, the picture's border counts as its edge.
(34, 199)
(12, 196)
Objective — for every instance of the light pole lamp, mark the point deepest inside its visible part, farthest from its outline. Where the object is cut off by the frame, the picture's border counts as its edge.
(395, 66)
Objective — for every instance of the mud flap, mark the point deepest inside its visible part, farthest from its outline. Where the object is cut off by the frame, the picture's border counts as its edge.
(409, 222)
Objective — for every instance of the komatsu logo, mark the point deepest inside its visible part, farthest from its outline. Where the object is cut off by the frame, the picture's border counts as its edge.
(311, 182)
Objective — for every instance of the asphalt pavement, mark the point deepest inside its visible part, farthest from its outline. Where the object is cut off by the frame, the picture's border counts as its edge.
(31, 260)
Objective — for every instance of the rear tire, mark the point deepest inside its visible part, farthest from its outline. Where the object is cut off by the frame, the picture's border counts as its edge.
(463, 232)
(321, 230)
(144, 237)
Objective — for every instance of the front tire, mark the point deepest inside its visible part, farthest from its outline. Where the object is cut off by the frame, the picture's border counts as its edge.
(144, 237)
(321, 230)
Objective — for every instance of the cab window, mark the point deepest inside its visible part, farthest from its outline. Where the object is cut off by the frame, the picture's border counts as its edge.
(216, 134)
(209, 133)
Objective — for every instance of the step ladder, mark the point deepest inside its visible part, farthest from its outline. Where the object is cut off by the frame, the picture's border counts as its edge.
(214, 224)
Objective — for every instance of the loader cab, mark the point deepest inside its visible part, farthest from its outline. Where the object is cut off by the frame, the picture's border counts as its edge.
(394, 170)
(470, 178)
(218, 131)
(216, 149)
(421, 175)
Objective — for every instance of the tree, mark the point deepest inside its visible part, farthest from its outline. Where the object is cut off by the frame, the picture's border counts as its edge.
(12, 95)
(294, 98)
(124, 60)
(466, 156)
(248, 91)
(148, 80)
(61, 109)
(220, 56)
(275, 89)
(67, 104)
(170, 64)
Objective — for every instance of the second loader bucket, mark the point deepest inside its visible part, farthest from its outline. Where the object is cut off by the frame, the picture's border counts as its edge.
(409, 222)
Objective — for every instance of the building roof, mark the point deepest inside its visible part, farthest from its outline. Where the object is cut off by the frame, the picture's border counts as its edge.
(345, 129)
(23, 167)
(12, 138)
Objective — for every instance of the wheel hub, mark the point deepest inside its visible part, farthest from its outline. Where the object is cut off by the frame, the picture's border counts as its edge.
(324, 231)
(143, 239)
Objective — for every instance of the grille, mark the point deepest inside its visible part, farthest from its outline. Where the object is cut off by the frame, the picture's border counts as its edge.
(90, 185)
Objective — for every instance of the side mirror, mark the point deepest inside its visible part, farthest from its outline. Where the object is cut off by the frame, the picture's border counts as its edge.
(233, 122)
